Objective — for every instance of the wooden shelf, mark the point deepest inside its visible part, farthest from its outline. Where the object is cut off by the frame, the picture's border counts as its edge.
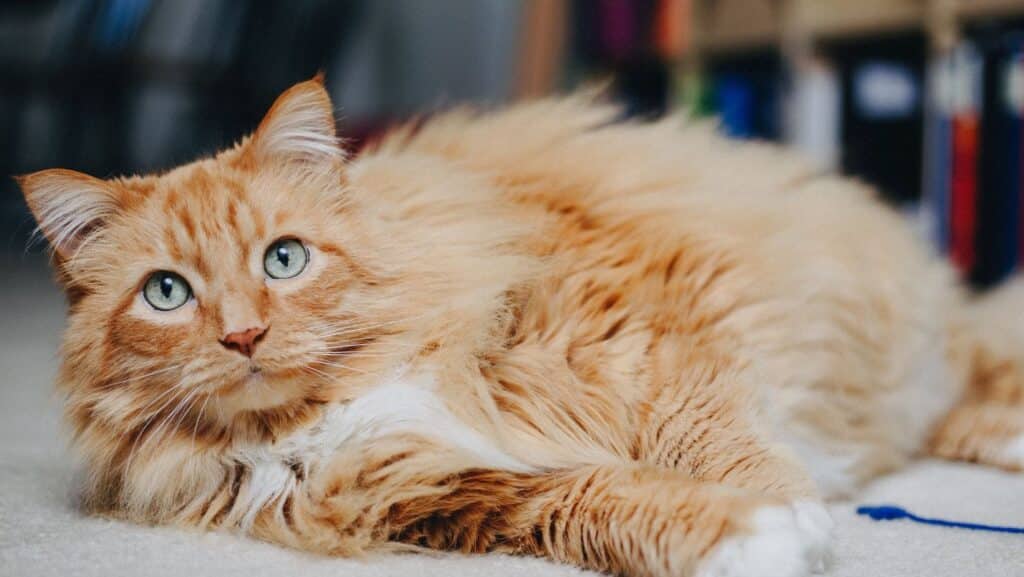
(830, 19)
(731, 25)
(968, 9)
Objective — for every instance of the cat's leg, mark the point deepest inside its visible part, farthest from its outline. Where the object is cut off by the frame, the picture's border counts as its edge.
(701, 422)
(702, 438)
(731, 453)
(631, 520)
(989, 433)
(701, 419)
(628, 519)
(987, 349)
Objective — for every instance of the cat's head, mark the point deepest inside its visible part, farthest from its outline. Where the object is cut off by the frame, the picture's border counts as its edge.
(232, 296)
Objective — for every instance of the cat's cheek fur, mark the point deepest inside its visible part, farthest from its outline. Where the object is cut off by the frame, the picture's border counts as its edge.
(782, 541)
(150, 333)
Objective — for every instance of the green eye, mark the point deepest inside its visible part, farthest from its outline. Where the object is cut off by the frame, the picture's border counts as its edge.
(166, 291)
(285, 258)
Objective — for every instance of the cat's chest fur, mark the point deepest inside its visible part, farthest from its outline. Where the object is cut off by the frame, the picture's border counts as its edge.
(406, 403)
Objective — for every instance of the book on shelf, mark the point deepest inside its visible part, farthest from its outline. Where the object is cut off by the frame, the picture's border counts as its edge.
(882, 86)
(968, 66)
(999, 183)
(812, 115)
(938, 150)
(747, 94)
(1013, 168)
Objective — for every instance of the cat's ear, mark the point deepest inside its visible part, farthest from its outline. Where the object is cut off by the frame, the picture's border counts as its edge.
(68, 206)
(299, 127)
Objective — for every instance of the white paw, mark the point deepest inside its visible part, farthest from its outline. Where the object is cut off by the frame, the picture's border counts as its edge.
(1013, 452)
(783, 541)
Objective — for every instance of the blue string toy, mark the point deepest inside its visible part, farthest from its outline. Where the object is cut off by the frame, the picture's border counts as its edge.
(892, 513)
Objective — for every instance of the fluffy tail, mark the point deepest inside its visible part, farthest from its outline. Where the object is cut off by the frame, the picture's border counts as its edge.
(988, 425)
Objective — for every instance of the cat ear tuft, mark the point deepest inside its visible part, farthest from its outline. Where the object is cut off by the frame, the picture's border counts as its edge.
(68, 206)
(300, 126)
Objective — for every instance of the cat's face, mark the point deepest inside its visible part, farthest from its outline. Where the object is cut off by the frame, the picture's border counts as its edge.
(236, 291)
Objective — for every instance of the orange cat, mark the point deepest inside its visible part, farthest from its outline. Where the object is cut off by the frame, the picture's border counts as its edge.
(637, 348)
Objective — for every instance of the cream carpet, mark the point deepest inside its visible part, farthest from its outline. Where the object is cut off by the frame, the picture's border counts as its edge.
(41, 534)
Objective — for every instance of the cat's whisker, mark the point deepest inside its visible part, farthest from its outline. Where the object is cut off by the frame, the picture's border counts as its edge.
(157, 433)
(169, 392)
(361, 339)
(368, 324)
(358, 354)
(322, 373)
(354, 335)
(358, 338)
(330, 365)
(345, 367)
(316, 372)
(182, 416)
(134, 378)
(145, 426)
(176, 414)
(170, 416)
(360, 331)
(220, 409)
(363, 319)
(199, 416)
(390, 348)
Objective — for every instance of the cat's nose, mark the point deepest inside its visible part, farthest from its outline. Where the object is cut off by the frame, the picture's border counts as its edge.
(244, 341)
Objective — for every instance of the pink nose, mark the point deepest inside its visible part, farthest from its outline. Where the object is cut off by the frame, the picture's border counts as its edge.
(244, 341)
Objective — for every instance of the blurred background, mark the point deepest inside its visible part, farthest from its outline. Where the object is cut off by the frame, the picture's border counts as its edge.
(922, 98)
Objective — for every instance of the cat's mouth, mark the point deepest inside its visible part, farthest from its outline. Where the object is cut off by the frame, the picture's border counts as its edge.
(252, 378)
(254, 374)
(260, 384)
(259, 387)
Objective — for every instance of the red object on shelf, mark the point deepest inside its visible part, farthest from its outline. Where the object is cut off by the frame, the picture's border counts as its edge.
(963, 217)
(672, 28)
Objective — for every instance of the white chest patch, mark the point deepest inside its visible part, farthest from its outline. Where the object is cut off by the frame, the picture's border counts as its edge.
(404, 404)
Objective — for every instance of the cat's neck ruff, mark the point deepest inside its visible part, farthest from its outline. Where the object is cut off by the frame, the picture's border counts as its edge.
(404, 403)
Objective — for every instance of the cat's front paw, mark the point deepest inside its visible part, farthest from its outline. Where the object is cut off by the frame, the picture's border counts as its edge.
(781, 541)
(1012, 456)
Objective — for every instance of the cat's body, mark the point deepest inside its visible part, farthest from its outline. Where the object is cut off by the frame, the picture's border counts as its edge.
(637, 348)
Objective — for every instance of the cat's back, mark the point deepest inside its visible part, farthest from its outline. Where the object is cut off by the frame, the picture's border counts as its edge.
(669, 228)
(673, 189)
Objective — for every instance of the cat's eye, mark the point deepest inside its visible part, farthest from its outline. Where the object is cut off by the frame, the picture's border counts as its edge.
(286, 258)
(166, 291)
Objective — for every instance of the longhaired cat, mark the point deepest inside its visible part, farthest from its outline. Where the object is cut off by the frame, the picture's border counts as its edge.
(634, 347)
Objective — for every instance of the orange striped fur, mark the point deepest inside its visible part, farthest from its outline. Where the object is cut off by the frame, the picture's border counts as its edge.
(633, 347)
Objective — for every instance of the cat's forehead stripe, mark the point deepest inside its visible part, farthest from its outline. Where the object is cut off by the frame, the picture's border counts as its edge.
(185, 217)
(209, 223)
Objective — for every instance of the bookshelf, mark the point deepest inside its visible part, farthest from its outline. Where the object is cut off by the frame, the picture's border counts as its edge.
(921, 98)
(735, 25)
(842, 18)
(987, 8)
(723, 26)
